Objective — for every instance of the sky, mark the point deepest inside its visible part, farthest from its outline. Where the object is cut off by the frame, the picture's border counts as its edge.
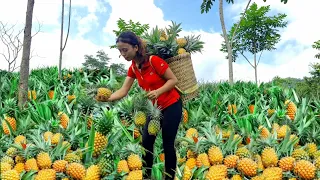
(93, 22)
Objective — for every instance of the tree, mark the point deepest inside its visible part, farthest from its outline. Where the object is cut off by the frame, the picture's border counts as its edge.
(24, 67)
(135, 27)
(61, 36)
(316, 45)
(205, 7)
(11, 40)
(256, 33)
(99, 62)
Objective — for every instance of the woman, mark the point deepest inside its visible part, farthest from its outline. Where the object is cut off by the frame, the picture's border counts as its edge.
(159, 81)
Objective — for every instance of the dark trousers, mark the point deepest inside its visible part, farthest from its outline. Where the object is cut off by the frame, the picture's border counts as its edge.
(171, 117)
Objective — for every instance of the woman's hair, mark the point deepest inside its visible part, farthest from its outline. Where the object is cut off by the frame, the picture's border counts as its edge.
(132, 39)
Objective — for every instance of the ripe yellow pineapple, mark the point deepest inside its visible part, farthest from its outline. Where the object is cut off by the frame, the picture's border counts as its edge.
(123, 166)
(269, 157)
(71, 97)
(135, 175)
(100, 142)
(300, 154)
(93, 173)
(248, 167)
(136, 133)
(11, 151)
(134, 162)
(311, 149)
(231, 161)
(203, 160)
(317, 163)
(71, 158)
(215, 155)
(60, 165)
(64, 119)
(76, 170)
(10, 175)
(56, 138)
(181, 42)
(264, 132)
(258, 159)
(305, 169)
(19, 159)
(5, 167)
(275, 127)
(243, 152)
(217, 172)
(31, 164)
(236, 177)
(103, 94)
(44, 160)
(191, 132)
(47, 135)
(12, 122)
(140, 118)
(287, 163)
(272, 173)
(33, 93)
(185, 116)
(20, 139)
(19, 167)
(187, 173)
(46, 174)
(7, 159)
(270, 112)
(291, 109)
(283, 131)
(181, 51)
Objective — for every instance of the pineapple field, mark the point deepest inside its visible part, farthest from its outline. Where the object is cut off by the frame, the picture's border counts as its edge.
(68, 131)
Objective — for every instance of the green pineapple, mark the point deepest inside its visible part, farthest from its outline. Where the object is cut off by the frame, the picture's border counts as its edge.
(106, 164)
(10, 107)
(155, 116)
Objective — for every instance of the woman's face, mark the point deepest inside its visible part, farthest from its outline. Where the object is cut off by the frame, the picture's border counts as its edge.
(127, 51)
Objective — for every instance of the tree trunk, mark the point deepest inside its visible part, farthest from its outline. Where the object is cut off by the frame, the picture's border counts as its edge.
(227, 42)
(255, 67)
(61, 37)
(24, 67)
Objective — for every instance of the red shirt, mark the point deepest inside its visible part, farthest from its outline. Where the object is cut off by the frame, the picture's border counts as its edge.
(150, 79)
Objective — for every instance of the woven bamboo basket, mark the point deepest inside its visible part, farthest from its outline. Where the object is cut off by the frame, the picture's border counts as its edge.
(181, 66)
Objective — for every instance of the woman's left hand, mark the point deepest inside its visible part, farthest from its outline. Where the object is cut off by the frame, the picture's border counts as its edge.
(153, 94)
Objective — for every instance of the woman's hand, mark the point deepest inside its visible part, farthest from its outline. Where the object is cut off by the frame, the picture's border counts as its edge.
(153, 94)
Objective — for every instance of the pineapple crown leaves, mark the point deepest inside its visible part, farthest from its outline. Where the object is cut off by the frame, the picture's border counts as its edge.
(194, 44)
(106, 122)
(132, 148)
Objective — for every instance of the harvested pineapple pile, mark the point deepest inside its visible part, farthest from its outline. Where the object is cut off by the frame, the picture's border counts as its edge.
(69, 132)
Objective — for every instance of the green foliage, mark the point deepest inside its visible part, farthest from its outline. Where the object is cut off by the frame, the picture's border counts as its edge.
(257, 31)
(135, 27)
(99, 62)
(283, 1)
(316, 45)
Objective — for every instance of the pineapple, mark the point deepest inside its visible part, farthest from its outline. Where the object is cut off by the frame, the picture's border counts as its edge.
(271, 112)
(272, 173)
(31, 164)
(155, 116)
(10, 175)
(20, 140)
(123, 166)
(291, 109)
(243, 152)
(269, 157)
(181, 51)
(287, 163)
(19, 167)
(187, 173)
(132, 153)
(64, 119)
(140, 118)
(251, 108)
(60, 165)
(136, 133)
(93, 173)
(305, 169)
(191, 163)
(7, 159)
(258, 159)
(311, 149)
(215, 155)
(194, 44)
(56, 138)
(106, 164)
(161, 157)
(275, 128)
(71, 157)
(46, 174)
(163, 35)
(232, 109)
(71, 97)
(44, 160)
(100, 142)
(248, 167)
(283, 131)
(264, 133)
(300, 154)
(11, 152)
(236, 177)
(191, 132)
(135, 175)
(19, 159)
(182, 42)
(203, 160)
(217, 172)
(134, 162)
(231, 161)
(76, 170)
(317, 163)
(103, 94)
(47, 135)
(185, 116)
(12, 123)
(51, 94)
(5, 167)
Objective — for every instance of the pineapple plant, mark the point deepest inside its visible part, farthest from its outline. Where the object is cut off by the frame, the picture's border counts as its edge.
(155, 115)
(132, 153)
(64, 119)
(291, 109)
